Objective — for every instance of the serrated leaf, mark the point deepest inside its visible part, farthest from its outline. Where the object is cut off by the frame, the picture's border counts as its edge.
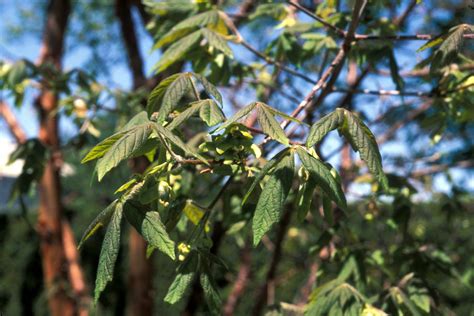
(238, 115)
(175, 140)
(176, 90)
(183, 280)
(171, 36)
(123, 148)
(149, 225)
(268, 166)
(270, 126)
(363, 141)
(138, 119)
(185, 26)
(210, 293)
(210, 89)
(183, 116)
(217, 41)
(272, 199)
(275, 112)
(156, 95)
(102, 148)
(109, 252)
(210, 112)
(323, 177)
(323, 126)
(100, 221)
(177, 51)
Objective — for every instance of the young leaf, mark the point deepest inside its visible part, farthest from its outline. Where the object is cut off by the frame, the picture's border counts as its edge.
(238, 115)
(176, 90)
(210, 89)
(101, 220)
(270, 126)
(149, 225)
(177, 51)
(210, 112)
(323, 126)
(272, 198)
(217, 41)
(123, 148)
(182, 280)
(363, 141)
(109, 251)
(268, 166)
(102, 148)
(323, 177)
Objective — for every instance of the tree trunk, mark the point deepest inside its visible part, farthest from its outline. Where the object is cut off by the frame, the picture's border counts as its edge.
(50, 209)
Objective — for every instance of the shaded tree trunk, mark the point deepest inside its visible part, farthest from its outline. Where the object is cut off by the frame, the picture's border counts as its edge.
(50, 210)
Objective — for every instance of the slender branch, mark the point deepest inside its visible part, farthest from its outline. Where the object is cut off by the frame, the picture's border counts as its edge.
(274, 62)
(241, 281)
(334, 68)
(15, 129)
(328, 25)
(440, 168)
(413, 37)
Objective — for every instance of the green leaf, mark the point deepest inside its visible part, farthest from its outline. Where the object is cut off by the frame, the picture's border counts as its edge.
(183, 279)
(102, 148)
(101, 220)
(177, 51)
(210, 293)
(176, 90)
(270, 126)
(217, 41)
(139, 119)
(149, 225)
(109, 251)
(184, 116)
(210, 89)
(123, 148)
(395, 70)
(210, 112)
(272, 199)
(305, 197)
(268, 166)
(363, 141)
(156, 95)
(275, 112)
(323, 177)
(175, 140)
(323, 126)
(185, 26)
(238, 115)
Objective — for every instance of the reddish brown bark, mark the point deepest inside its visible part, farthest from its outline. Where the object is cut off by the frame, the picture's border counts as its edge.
(12, 123)
(240, 282)
(49, 212)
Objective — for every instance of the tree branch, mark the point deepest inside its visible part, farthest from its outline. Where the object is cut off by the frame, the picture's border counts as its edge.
(15, 129)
